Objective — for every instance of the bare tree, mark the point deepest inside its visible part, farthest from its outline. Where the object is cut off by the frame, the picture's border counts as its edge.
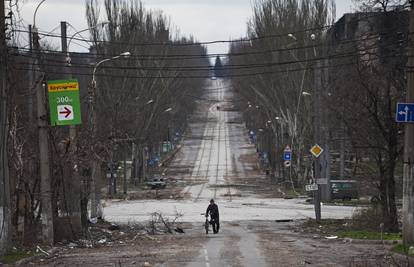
(364, 95)
(283, 70)
(150, 107)
(379, 5)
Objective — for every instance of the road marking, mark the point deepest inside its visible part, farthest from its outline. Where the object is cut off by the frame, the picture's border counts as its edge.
(206, 257)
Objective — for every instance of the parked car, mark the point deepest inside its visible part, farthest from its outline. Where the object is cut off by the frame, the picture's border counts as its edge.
(344, 189)
(157, 183)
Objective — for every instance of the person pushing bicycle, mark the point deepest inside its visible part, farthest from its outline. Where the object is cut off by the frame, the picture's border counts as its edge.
(213, 210)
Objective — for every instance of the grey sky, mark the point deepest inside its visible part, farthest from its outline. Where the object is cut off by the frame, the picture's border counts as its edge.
(205, 20)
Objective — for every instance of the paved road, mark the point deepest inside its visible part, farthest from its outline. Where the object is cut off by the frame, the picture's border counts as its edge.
(218, 162)
(218, 155)
(221, 164)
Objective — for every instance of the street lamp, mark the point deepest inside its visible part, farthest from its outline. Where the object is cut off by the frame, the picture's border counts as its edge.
(122, 55)
(92, 117)
(35, 13)
(68, 59)
(292, 36)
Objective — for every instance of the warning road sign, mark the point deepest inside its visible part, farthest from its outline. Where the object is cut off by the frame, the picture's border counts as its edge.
(64, 102)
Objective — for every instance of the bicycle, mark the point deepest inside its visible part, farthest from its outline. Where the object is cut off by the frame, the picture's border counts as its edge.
(206, 223)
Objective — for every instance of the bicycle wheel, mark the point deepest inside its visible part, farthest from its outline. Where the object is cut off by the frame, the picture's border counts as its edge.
(206, 226)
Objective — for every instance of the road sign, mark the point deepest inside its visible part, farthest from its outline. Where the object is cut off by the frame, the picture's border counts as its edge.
(311, 187)
(316, 151)
(287, 163)
(405, 112)
(322, 181)
(287, 154)
(64, 102)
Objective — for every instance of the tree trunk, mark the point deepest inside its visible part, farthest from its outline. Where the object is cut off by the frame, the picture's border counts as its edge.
(387, 199)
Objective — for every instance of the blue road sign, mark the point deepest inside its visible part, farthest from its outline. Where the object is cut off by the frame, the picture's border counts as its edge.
(405, 112)
(287, 155)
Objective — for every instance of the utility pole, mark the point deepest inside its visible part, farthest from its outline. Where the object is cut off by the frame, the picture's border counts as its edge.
(125, 185)
(317, 138)
(94, 165)
(42, 122)
(30, 77)
(5, 212)
(324, 120)
(408, 179)
(74, 202)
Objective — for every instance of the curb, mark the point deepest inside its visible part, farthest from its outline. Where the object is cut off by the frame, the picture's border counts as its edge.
(370, 242)
(402, 258)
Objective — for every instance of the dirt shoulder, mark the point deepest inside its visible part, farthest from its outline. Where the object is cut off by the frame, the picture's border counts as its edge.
(131, 245)
(278, 244)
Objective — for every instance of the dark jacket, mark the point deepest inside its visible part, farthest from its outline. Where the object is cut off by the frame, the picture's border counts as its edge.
(213, 210)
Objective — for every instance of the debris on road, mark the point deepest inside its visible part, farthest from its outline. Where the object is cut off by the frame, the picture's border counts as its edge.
(113, 227)
(283, 221)
(39, 249)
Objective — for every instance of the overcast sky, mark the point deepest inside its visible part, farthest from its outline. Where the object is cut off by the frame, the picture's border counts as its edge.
(206, 20)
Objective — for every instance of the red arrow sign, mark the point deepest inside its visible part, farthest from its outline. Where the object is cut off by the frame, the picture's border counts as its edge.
(66, 112)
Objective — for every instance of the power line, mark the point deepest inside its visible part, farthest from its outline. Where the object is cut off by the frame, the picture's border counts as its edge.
(224, 76)
(354, 53)
(251, 39)
(204, 68)
(177, 44)
(368, 37)
(358, 52)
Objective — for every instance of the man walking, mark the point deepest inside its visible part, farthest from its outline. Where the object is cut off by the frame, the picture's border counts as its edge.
(214, 215)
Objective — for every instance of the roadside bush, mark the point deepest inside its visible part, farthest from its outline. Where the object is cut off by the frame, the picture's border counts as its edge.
(369, 219)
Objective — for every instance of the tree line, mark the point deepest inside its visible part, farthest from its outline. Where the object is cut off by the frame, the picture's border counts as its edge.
(139, 102)
(339, 84)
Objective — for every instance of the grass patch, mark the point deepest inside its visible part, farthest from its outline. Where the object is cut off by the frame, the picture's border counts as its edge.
(16, 255)
(402, 249)
(346, 228)
(370, 235)
(289, 193)
(329, 223)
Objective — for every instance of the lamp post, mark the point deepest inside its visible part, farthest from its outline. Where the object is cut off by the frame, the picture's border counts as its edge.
(45, 177)
(317, 126)
(92, 131)
(317, 135)
(76, 207)
(68, 58)
(281, 141)
(168, 110)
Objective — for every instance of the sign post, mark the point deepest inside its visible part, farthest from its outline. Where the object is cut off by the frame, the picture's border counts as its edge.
(287, 157)
(287, 154)
(316, 151)
(64, 102)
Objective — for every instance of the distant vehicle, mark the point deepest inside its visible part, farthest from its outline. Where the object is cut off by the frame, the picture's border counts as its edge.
(214, 78)
(157, 183)
(344, 189)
